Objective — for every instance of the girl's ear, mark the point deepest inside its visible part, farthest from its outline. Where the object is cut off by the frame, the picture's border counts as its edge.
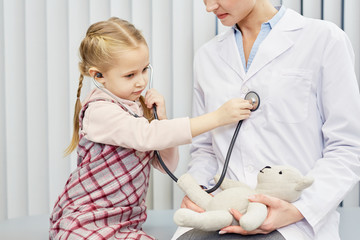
(96, 74)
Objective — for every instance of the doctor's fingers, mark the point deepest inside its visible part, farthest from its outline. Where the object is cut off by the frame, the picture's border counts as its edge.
(187, 203)
(236, 214)
(236, 229)
(240, 230)
(265, 199)
(280, 213)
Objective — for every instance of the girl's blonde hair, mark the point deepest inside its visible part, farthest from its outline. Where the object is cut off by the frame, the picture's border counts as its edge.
(103, 43)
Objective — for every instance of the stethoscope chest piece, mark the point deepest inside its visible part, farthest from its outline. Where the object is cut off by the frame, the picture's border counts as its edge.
(254, 99)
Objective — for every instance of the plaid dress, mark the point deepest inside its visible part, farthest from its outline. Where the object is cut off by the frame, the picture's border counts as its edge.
(104, 198)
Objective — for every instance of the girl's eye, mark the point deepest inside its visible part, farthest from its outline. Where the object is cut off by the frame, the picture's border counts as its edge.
(130, 75)
(145, 69)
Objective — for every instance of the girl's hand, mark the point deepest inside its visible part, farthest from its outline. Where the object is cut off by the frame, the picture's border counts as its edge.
(230, 112)
(153, 97)
(233, 110)
(280, 214)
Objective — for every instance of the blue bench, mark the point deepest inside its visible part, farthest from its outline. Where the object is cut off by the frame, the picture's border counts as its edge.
(159, 224)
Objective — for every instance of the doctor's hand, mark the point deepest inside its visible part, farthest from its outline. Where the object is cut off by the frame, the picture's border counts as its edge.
(280, 214)
(187, 203)
(154, 97)
(234, 110)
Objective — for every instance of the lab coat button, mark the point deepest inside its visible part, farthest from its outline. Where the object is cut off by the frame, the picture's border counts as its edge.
(249, 168)
(244, 89)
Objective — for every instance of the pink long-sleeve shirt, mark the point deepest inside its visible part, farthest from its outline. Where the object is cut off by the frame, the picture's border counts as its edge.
(105, 122)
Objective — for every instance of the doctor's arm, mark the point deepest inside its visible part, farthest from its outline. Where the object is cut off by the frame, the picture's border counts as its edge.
(337, 172)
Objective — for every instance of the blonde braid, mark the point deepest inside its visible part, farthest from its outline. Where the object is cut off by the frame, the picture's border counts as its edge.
(75, 138)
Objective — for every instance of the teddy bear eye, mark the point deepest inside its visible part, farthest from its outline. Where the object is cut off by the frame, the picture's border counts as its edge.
(280, 172)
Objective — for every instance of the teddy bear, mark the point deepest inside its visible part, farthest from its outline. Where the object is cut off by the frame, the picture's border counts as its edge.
(284, 182)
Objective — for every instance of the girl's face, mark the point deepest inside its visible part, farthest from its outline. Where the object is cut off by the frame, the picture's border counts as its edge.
(230, 12)
(129, 77)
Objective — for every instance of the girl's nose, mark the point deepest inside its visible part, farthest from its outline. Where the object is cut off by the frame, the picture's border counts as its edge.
(211, 5)
(142, 80)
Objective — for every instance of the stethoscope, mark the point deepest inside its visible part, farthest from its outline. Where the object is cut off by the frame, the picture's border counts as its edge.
(252, 96)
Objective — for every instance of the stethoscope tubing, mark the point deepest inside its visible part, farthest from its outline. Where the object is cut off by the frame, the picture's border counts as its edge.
(97, 84)
(255, 99)
(226, 163)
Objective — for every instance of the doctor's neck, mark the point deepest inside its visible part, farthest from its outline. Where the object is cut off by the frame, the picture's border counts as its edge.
(261, 13)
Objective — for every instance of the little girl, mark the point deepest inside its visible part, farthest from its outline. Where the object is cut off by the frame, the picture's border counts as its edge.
(104, 198)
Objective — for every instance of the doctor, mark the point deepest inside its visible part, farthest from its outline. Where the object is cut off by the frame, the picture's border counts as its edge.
(303, 71)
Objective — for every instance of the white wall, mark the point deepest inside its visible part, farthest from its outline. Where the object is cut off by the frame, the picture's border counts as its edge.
(39, 40)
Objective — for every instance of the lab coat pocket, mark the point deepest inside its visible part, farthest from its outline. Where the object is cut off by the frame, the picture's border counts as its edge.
(289, 95)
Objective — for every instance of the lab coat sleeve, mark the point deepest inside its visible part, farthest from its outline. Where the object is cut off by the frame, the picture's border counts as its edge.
(339, 104)
(105, 122)
(203, 163)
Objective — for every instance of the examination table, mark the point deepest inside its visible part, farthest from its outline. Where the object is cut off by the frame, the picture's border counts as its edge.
(159, 224)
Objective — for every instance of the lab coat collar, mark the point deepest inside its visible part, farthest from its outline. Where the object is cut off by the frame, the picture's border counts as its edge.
(229, 54)
(276, 43)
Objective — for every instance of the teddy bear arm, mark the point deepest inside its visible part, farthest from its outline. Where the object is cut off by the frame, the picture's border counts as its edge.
(206, 221)
(255, 215)
(192, 189)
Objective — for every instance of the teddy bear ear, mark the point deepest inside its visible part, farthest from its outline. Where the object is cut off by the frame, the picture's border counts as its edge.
(304, 183)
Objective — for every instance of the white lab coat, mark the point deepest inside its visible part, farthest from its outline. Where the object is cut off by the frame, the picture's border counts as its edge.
(308, 116)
